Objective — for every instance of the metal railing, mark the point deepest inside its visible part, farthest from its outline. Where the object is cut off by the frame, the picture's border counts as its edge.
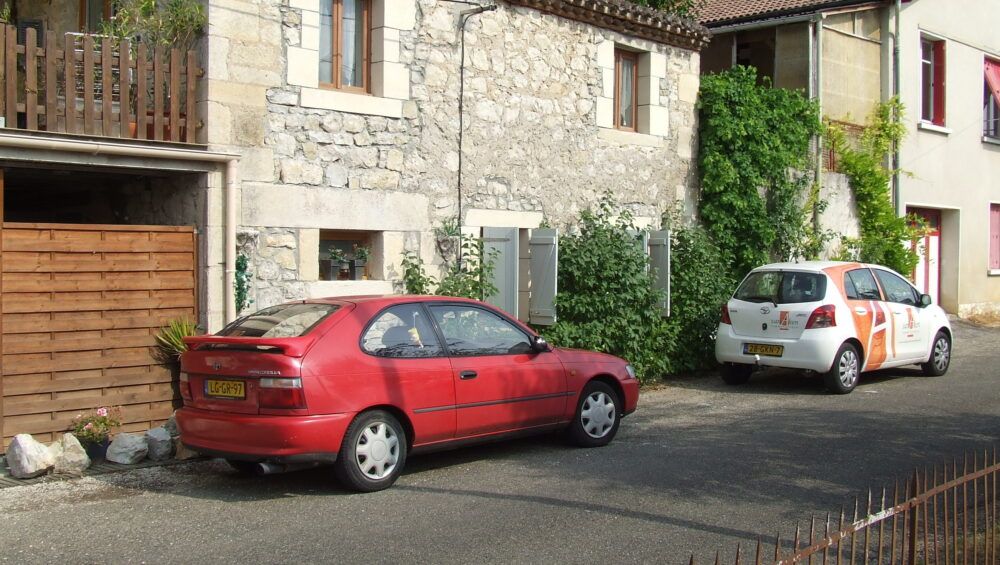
(941, 515)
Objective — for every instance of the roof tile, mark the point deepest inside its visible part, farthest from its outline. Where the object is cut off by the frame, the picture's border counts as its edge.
(720, 11)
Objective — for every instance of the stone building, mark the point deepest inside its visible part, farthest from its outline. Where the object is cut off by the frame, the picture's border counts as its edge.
(377, 162)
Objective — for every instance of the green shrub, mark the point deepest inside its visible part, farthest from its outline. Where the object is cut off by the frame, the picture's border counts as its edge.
(607, 301)
(472, 278)
(700, 284)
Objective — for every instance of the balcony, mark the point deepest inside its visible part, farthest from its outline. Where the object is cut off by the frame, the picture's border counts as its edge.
(96, 86)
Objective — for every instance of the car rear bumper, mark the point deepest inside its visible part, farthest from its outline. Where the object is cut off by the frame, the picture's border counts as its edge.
(813, 350)
(252, 437)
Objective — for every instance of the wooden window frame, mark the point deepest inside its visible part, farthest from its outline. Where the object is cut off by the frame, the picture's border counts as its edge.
(626, 57)
(337, 49)
(82, 20)
(938, 84)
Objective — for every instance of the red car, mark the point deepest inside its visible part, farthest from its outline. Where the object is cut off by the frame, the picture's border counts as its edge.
(363, 382)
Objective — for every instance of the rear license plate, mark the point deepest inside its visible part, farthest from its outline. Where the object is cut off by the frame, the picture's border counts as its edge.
(763, 349)
(225, 389)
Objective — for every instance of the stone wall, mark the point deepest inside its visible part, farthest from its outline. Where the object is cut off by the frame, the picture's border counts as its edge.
(533, 149)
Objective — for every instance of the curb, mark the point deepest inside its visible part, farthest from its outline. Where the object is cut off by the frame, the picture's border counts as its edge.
(98, 468)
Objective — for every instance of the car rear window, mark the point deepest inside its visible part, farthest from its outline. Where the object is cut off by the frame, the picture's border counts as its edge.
(285, 320)
(782, 287)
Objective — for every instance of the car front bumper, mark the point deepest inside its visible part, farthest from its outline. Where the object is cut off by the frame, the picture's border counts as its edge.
(813, 349)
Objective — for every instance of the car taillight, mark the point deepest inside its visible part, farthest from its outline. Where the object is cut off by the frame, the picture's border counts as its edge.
(185, 386)
(725, 315)
(823, 317)
(281, 393)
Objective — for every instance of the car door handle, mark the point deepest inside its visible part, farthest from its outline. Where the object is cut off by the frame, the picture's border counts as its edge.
(466, 375)
(861, 311)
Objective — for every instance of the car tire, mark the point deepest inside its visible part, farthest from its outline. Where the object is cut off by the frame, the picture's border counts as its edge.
(940, 359)
(372, 453)
(598, 414)
(735, 373)
(846, 370)
(244, 468)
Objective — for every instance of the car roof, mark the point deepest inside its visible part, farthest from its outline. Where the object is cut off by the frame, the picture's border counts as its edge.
(387, 299)
(809, 266)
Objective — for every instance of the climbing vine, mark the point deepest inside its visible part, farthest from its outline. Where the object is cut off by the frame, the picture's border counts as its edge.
(242, 283)
(883, 234)
(752, 139)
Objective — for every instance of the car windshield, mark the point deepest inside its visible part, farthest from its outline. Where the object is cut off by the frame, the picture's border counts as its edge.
(782, 287)
(285, 320)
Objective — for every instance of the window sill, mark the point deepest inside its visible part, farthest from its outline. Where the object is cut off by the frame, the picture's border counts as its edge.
(927, 126)
(351, 102)
(322, 289)
(991, 140)
(622, 137)
(993, 273)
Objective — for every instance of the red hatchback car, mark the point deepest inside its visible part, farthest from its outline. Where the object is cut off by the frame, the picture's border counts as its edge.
(363, 382)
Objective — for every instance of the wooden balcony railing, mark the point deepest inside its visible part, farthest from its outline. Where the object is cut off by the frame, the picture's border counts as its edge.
(97, 86)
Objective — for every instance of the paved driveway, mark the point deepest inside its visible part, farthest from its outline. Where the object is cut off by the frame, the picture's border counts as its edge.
(700, 466)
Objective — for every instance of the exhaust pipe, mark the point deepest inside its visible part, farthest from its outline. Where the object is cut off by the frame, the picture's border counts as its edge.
(268, 468)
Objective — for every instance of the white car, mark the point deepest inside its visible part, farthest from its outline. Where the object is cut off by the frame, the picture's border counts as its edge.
(838, 319)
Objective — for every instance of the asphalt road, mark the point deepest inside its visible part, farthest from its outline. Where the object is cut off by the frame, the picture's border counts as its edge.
(699, 467)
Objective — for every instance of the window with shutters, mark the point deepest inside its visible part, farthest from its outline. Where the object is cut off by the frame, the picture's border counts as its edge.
(995, 237)
(991, 99)
(932, 79)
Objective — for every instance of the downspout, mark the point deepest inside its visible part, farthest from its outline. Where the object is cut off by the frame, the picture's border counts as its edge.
(816, 58)
(895, 92)
(95, 148)
(463, 17)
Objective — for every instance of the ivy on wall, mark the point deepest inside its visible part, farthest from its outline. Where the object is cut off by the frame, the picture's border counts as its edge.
(751, 139)
(883, 234)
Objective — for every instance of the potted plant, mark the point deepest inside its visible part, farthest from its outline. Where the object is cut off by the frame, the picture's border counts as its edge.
(338, 263)
(361, 256)
(170, 342)
(93, 430)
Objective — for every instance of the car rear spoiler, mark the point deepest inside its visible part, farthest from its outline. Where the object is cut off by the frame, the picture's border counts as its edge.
(290, 346)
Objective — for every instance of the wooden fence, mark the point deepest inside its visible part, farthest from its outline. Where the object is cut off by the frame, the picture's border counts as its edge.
(80, 308)
(94, 85)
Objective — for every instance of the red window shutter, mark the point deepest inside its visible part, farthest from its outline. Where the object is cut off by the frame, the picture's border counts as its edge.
(939, 82)
(995, 236)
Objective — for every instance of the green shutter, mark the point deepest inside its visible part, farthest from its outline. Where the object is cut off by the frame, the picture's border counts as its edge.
(659, 259)
(544, 247)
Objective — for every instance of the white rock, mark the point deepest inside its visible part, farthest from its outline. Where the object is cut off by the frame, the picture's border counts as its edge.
(127, 449)
(161, 445)
(27, 458)
(181, 452)
(69, 456)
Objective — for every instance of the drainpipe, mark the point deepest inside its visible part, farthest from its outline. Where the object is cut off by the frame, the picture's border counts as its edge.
(463, 17)
(96, 148)
(895, 92)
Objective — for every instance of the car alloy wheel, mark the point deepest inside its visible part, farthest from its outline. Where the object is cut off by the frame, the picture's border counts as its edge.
(847, 368)
(597, 415)
(377, 450)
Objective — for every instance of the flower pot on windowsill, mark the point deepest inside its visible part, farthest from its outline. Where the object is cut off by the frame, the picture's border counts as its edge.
(358, 269)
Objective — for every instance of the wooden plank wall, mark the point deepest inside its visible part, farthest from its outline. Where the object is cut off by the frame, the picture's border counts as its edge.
(79, 307)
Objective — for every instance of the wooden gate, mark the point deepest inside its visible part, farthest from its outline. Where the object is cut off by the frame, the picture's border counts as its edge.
(81, 305)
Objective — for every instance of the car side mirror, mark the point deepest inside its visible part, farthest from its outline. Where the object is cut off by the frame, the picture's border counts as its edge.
(925, 300)
(539, 345)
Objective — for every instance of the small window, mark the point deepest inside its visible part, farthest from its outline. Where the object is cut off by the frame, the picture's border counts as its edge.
(345, 44)
(994, 236)
(93, 13)
(285, 320)
(401, 332)
(932, 68)
(345, 255)
(470, 331)
(782, 287)
(897, 289)
(860, 285)
(991, 99)
(626, 91)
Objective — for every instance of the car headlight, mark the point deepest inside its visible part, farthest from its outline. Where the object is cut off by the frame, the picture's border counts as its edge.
(630, 370)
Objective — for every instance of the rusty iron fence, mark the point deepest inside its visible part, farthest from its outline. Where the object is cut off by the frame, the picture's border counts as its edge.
(947, 515)
(93, 85)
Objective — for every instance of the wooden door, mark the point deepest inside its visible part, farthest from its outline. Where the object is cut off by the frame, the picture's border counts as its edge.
(79, 308)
